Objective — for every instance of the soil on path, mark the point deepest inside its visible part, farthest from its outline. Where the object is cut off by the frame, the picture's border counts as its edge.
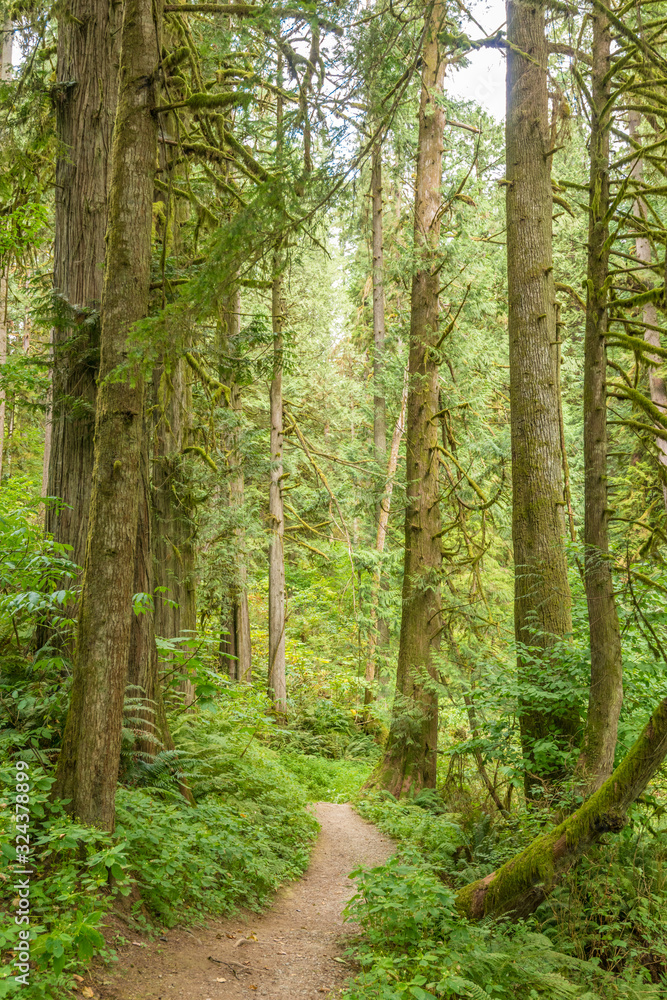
(289, 952)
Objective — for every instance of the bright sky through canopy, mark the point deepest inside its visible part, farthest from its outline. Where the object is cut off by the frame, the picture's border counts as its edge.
(483, 81)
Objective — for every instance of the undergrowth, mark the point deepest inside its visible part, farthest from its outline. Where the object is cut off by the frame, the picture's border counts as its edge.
(415, 944)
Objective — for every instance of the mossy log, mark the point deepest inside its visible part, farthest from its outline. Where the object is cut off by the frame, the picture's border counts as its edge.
(525, 881)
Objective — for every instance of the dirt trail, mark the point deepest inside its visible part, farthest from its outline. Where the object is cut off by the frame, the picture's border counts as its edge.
(298, 939)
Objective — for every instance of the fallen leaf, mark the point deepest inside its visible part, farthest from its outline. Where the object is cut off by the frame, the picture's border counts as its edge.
(232, 936)
(79, 979)
(251, 987)
(220, 980)
(87, 992)
(138, 944)
(282, 952)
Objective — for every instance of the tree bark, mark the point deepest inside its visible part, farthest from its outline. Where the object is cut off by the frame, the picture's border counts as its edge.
(596, 761)
(657, 386)
(542, 608)
(4, 288)
(379, 405)
(379, 399)
(410, 758)
(172, 508)
(524, 882)
(5, 74)
(276, 673)
(85, 97)
(236, 650)
(87, 770)
(381, 537)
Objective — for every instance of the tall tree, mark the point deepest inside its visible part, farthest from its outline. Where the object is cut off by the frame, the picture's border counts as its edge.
(596, 760)
(410, 756)
(236, 653)
(379, 403)
(277, 682)
(276, 673)
(88, 764)
(85, 98)
(542, 604)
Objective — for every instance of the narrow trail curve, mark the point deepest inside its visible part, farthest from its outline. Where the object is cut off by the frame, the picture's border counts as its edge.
(298, 939)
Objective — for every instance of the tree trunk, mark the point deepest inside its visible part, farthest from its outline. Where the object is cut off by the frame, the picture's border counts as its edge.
(87, 770)
(236, 650)
(596, 761)
(5, 74)
(410, 757)
(379, 405)
(4, 288)
(276, 674)
(524, 882)
(385, 505)
(379, 401)
(542, 608)
(143, 679)
(657, 386)
(173, 523)
(85, 96)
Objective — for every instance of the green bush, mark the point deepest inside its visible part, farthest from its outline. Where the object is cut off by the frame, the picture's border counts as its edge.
(416, 945)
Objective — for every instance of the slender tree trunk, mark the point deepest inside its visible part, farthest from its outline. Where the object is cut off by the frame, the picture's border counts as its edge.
(596, 761)
(657, 386)
(381, 537)
(276, 673)
(524, 882)
(5, 74)
(4, 289)
(238, 658)
(379, 400)
(87, 770)
(172, 509)
(542, 612)
(85, 98)
(410, 757)
(379, 405)
(143, 677)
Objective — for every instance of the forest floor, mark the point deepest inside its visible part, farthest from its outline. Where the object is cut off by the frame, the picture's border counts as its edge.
(291, 951)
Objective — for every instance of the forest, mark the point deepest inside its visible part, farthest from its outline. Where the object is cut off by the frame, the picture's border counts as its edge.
(333, 469)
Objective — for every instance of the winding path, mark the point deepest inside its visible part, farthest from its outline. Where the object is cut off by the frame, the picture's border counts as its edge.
(288, 953)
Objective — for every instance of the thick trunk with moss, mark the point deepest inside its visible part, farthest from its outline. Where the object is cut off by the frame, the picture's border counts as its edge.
(596, 761)
(235, 648)
(85, 96)
(87, 770)
(277, 688)
(542, 608)
(410, 757)
(524, 882)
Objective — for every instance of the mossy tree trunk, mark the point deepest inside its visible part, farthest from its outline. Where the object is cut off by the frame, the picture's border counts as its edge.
(525, 881)
(410, 757)
(85, 96)
(87, 770)
(596, 761)
(542, 608)
(235, 648)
